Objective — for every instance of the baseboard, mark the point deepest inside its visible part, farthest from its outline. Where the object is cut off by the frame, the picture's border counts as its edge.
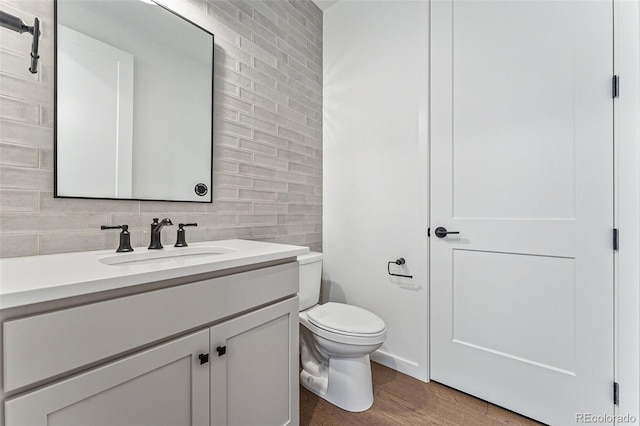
(402, 365)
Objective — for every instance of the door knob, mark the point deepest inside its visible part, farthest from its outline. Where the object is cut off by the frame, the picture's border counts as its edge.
(442, 232)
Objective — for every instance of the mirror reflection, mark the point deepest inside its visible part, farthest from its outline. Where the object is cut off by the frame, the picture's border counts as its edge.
(134, 107)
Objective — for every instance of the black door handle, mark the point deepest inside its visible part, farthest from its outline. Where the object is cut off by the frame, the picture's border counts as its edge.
(442, 232)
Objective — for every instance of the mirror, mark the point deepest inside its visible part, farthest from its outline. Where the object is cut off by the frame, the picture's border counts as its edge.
(134, 102)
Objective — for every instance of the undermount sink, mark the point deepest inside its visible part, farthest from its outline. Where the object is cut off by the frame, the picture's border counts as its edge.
(164, 255)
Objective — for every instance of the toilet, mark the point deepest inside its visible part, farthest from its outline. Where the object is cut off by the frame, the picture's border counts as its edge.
(335, 342)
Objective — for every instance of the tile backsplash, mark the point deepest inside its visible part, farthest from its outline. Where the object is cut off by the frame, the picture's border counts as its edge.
(267, 182)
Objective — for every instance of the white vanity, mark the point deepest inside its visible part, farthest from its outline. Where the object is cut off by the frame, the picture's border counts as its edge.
(182, 336)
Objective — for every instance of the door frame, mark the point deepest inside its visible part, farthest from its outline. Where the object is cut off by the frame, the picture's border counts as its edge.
(626, 206)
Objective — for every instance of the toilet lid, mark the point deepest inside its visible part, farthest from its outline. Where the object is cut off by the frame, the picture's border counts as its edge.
(345, 319)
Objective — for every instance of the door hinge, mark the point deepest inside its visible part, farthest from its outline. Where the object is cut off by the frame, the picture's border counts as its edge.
(616, 393)
(428, 232)
(615, 86)
(221, 350)
(204, 358)
(616, 239)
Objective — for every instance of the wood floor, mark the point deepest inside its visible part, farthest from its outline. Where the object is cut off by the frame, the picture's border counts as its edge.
(403, 400)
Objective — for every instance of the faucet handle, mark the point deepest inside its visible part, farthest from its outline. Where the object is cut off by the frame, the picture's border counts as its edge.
(125, 237)
(181, 241)
(103, 227)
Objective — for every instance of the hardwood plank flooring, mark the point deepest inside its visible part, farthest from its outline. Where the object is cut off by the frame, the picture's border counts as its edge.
(403, 400)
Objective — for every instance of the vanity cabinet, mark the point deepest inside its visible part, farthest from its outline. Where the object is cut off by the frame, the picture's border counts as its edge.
(211, 352)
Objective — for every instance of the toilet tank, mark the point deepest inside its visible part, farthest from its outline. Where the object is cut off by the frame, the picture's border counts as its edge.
(310, 279)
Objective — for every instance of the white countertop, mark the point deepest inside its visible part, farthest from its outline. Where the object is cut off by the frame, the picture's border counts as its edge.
(35, 279)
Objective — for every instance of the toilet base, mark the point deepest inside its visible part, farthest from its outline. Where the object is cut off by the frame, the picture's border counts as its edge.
(346, 383)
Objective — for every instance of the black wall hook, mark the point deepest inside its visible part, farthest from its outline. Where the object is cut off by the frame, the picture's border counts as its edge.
(400, 261)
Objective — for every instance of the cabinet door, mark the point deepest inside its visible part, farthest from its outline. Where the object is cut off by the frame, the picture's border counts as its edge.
(164, 385)
(254, 368)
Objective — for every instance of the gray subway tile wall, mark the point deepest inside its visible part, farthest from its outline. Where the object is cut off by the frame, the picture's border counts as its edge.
(267, 136)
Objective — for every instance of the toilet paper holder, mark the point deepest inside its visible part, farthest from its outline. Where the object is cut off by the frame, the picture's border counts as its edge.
(399, 261)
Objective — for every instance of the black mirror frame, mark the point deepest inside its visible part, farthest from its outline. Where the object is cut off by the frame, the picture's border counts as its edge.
(55, 113)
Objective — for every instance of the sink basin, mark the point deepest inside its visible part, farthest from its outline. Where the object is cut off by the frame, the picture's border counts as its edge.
(166, 255)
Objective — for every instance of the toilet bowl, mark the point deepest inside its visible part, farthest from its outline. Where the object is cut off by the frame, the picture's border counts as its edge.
(335, 342)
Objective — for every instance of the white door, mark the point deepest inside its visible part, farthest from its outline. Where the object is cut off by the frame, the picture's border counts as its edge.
(165, 385)
(95, 117)
(522, 168)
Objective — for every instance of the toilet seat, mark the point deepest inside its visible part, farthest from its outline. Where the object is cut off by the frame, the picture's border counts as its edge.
(342, 336)
(345, 319)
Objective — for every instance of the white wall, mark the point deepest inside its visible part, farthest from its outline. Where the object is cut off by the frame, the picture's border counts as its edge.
(375, 168)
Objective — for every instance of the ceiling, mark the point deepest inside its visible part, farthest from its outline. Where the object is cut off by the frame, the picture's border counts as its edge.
(325, 4)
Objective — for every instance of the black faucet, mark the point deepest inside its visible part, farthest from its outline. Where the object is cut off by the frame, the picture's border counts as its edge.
(125, 237)
(181, 241)
(156, 227)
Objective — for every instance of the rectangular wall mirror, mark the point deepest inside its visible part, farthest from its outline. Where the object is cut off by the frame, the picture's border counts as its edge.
(134, 102)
